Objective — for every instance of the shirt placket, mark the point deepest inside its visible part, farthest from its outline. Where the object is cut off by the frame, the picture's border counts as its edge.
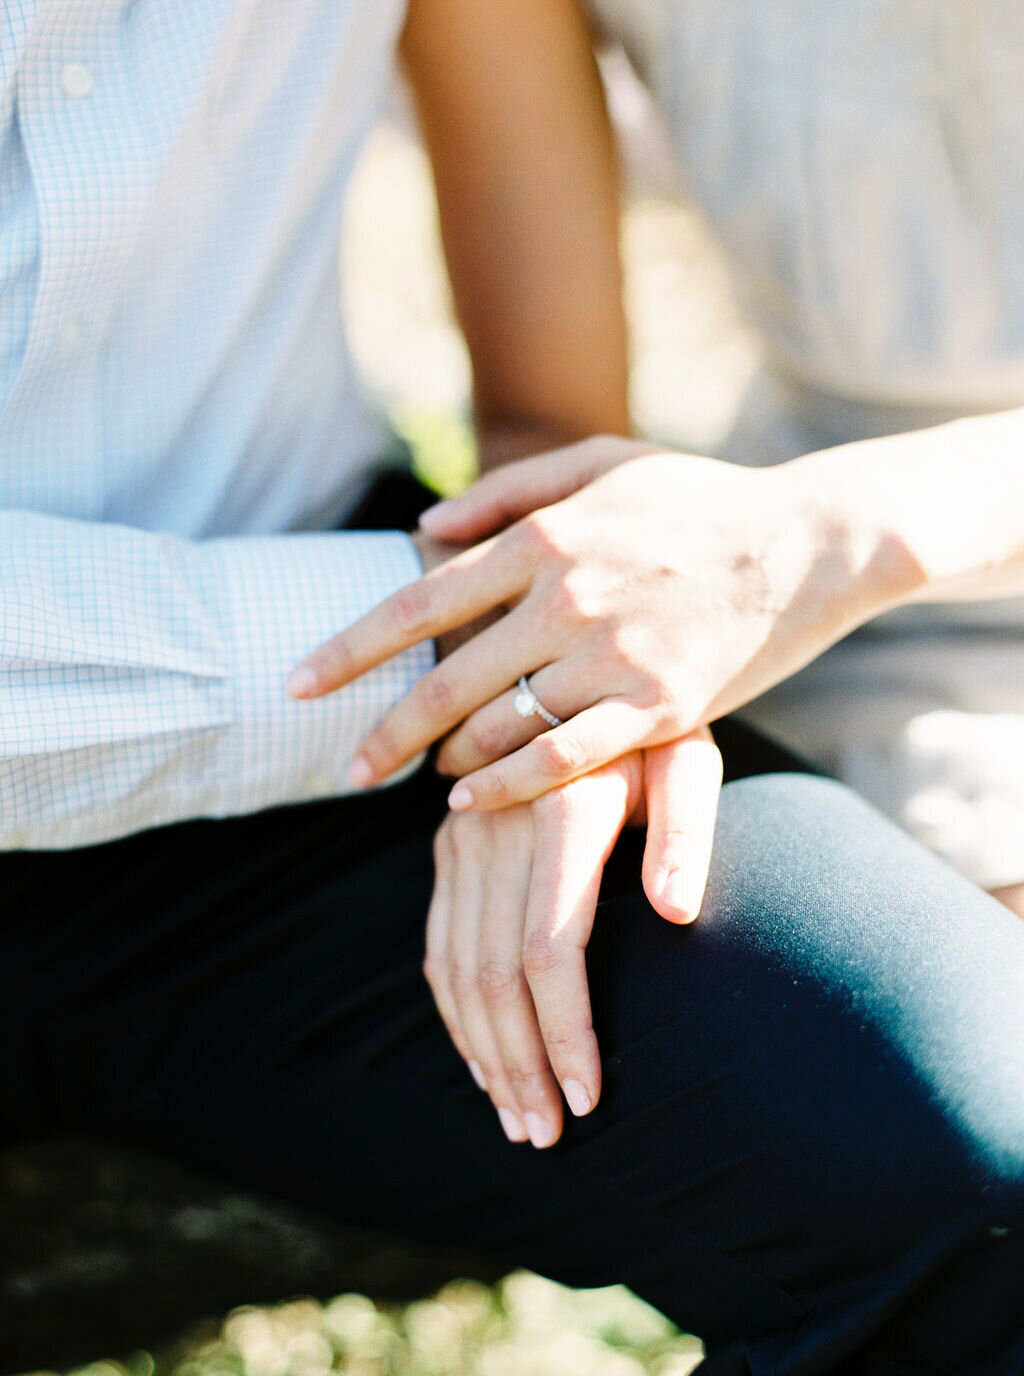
(83, 140)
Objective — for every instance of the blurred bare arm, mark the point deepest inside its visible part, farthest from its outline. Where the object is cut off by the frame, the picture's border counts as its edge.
(513, 115)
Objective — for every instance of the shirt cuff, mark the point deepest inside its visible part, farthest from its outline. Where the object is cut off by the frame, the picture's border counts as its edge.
(284, 595)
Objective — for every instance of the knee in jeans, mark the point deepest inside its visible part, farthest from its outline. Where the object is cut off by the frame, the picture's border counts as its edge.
(880, 978)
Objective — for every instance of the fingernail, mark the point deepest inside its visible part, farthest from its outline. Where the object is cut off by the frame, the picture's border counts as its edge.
(678, 892)
(301, 682)
(460, 799)
(478, 1075)
(576, 1097)
(541, 1133)
(514, 1130)
(434, 515)
(360, 773)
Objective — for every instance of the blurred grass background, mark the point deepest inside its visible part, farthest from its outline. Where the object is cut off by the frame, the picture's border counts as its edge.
(524, 1326)
(692, 359)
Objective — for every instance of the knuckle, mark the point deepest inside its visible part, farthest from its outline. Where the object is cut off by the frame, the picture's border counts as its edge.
(435, 694)
(456, 757)
(463, 839)
(433, 971)
(499, 982)
(462, 981)
(557, 808)
(558, 753)
(381, 748)
(339, 657)
(542, 955)
(486, 737)
(412, 608)
(528, 1078)
(493, 1071)
(565, 1042)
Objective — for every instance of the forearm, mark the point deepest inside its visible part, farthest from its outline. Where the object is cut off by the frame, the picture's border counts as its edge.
(527, 191)
(932, 515)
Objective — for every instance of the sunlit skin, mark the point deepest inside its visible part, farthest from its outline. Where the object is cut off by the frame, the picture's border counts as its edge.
(727, 579)
(665, 591)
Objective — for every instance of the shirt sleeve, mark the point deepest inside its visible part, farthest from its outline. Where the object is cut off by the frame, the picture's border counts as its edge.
(142, 675)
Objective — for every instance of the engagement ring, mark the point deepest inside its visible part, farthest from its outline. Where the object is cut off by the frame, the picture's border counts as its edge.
(527, 704)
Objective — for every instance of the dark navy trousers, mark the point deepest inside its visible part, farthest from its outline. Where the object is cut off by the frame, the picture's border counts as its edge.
(810, 1146)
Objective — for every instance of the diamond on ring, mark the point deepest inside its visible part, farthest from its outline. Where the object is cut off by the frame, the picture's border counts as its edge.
(527, 704)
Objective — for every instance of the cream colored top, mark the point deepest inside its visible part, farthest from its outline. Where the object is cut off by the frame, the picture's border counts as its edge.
(862, 163)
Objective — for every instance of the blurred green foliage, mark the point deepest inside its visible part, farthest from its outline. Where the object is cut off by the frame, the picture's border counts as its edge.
(524, 1326)
(442, 443)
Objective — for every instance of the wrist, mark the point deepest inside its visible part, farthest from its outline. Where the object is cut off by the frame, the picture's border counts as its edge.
(861, 557)
(939, 513)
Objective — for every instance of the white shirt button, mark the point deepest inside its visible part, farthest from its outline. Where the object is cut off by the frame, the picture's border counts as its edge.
(70, 336)
(76, 80)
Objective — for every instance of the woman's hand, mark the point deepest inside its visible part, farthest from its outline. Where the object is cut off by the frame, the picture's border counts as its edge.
(512, 911)
(663, 594)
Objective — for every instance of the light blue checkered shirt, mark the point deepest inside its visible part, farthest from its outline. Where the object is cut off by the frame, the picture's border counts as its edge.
(175, 395)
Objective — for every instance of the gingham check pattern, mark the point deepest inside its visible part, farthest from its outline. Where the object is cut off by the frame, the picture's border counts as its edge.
(179, 418)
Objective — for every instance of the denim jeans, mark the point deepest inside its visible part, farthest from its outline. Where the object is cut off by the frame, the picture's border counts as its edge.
(810, 1144)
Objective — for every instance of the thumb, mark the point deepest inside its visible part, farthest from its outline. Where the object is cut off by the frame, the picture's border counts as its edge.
(508, 493)
(682, 782)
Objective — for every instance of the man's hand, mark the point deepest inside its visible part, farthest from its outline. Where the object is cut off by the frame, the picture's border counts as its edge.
(512, 912)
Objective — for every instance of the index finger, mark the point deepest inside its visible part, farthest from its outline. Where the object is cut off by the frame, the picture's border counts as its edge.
(455, 592)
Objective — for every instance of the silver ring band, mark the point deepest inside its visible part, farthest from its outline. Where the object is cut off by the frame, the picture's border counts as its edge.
(527, 704)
